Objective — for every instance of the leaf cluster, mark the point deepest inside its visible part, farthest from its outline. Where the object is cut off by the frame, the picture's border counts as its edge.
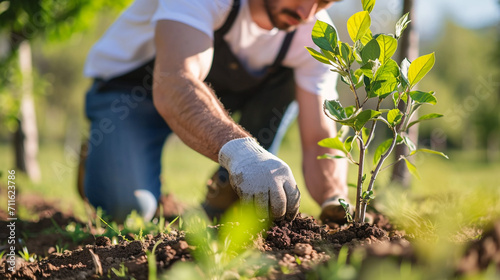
(367, 67)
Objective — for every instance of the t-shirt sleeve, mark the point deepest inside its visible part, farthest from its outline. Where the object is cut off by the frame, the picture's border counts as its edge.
(311, 74)
(203, 15)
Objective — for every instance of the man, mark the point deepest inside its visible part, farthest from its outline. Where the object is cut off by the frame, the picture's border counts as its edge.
(210, 57)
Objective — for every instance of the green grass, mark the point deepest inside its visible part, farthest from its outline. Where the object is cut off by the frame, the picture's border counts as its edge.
(58, 178)
(185, 173)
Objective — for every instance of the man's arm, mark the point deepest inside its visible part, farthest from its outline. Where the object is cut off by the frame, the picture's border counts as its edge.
(191, 109)
(324, 178)
(183, 60)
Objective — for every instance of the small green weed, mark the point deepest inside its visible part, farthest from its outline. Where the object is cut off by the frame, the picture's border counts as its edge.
(225, 251)
(61, 249)
(25, 255)
(121, 272)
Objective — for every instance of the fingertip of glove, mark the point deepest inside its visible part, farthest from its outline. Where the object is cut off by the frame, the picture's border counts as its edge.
(291, 216)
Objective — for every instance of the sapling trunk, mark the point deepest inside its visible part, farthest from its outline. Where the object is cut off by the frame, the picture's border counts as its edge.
(359, 188)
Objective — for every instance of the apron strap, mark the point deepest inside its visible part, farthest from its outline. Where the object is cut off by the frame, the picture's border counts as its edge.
(282, 53)
(230, 18)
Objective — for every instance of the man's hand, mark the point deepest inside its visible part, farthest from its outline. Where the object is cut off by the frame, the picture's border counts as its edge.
(261, 178)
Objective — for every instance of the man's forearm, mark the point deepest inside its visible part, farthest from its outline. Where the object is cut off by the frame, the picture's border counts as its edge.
(194, 113)
(189, 107)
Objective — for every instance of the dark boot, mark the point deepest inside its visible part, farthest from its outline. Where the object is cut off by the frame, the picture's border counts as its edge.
(333, 212)
(169, 207)
(220, 195)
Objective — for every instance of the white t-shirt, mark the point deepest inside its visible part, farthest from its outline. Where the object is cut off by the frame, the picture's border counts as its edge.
(128, 43)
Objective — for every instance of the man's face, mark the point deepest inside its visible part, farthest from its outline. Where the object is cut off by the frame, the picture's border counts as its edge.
(287, 14)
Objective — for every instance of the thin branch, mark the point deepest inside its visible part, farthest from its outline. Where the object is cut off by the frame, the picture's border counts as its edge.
(382, 159)
(353, 88)
(385, 121)
(374, 124)
(412, 113)
(389, 165)
(364, 101)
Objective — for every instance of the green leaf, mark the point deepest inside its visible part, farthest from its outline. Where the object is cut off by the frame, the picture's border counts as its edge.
(368, 5)
(383, 88)
(328, 54)
(368, 195)
(363, 117)
(349, 110)
(389, 69)
(388, 46)
(335, 109)
(419, 68)
(399, 140)
(356, 78)
(404, 97)
(402, 24)
(423, 97)
(345, 80)
(364, 134)
(333, 143)
(409, 143)
(424, 118)
(366, 38)
(348, 143)
(366, 69)
(358, 25)
(318, 56)
(395, 98)
(352, 185)
(405, 65)
(385, 80)
(371, 51)
(430, 152)
(394, 117)
(346, 52)
(381, 149)
(329, 156)
(324, 36)
(412, 168)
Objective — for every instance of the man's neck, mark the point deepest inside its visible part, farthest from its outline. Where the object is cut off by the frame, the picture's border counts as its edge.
(259, 14)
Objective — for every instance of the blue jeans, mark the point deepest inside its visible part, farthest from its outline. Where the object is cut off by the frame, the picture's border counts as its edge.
(127, 135)
(124, 158)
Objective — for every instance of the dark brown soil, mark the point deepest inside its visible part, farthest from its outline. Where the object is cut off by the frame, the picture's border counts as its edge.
(294, 249)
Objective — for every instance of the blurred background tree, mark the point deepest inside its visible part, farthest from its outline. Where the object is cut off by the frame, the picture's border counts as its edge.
(408, 48)
(24, 23)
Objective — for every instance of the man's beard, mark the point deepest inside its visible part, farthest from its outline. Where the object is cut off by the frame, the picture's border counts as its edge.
(274, 14)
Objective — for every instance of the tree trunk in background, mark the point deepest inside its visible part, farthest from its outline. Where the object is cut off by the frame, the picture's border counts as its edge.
(408, 46)
(26, 136)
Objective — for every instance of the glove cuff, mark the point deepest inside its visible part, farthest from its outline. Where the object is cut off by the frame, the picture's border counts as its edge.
(237, 150)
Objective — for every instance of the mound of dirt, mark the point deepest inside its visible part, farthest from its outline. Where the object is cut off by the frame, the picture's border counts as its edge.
(482, 253)
(297, 246)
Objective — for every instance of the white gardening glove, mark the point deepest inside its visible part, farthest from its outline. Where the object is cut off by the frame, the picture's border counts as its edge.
(261, 178)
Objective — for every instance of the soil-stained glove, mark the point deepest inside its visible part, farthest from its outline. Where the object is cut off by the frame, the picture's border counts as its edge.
(261, 178)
